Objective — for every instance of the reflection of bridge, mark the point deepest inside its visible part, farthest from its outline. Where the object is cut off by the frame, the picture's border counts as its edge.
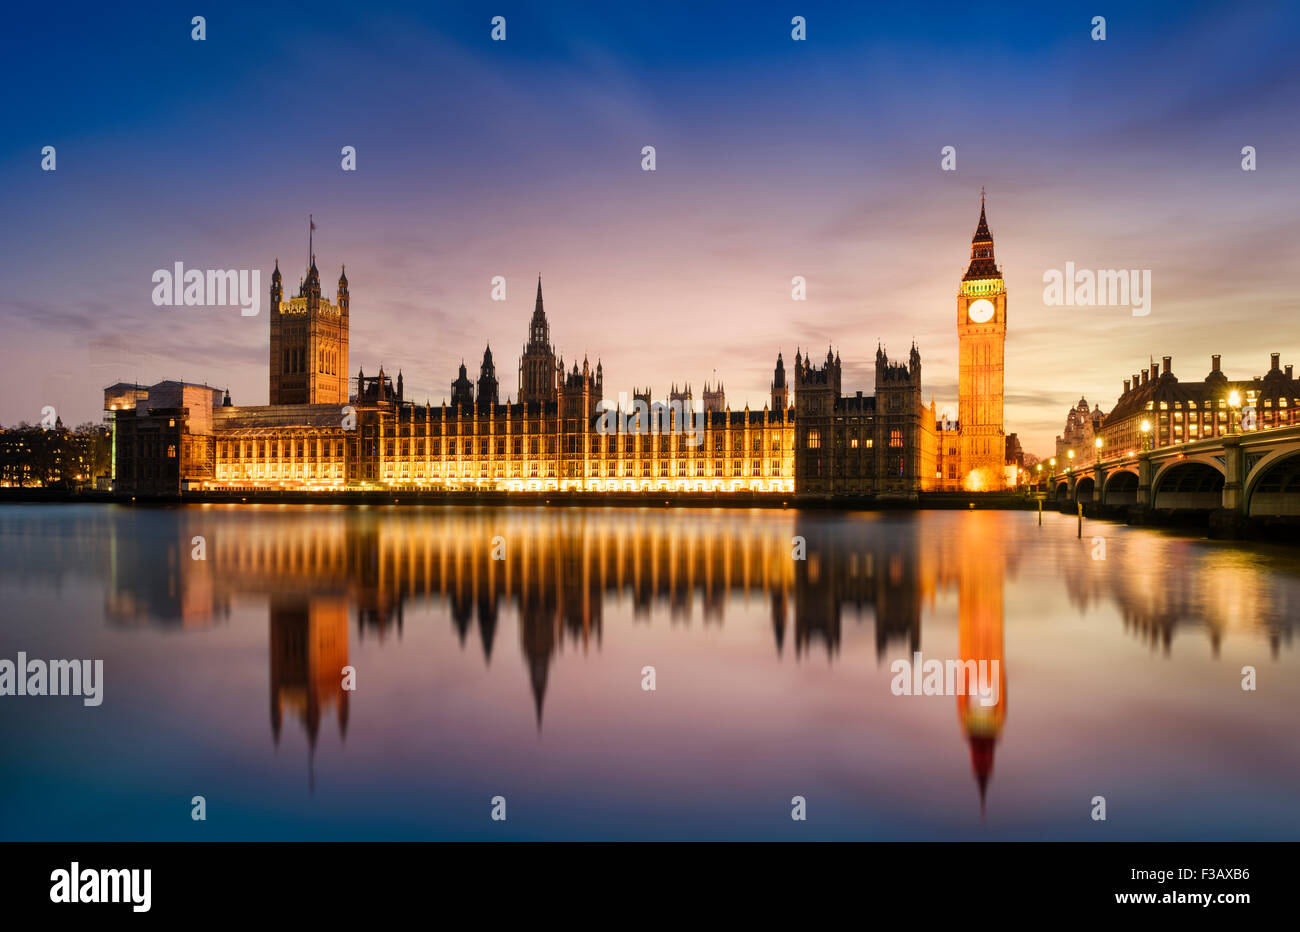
(1255, 474)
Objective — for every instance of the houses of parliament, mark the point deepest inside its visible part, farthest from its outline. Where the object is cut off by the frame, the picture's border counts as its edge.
(325, 431)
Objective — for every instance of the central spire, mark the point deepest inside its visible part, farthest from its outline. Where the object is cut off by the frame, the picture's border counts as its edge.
(539, 331)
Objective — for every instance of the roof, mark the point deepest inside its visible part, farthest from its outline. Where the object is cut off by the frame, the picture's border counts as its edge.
(982, 262)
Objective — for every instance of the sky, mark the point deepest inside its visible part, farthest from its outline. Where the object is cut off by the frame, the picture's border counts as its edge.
(775, 158)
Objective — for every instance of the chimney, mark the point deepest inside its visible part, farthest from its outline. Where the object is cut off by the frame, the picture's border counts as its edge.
(1274, 359)
(1167, 361)
(1288, 372)
(1145, 373)
(1155, 372)
(1214, 363)
(1126, 385)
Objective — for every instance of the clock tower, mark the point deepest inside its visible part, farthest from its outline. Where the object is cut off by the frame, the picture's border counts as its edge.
(981, 338)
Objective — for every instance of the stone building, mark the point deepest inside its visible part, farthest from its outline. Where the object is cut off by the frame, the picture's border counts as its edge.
(856, 445)
(1179, 412)
(167, 441)
(1082, 428)
(981, 337)
(309, 342)
(539, 373)
(319, 433)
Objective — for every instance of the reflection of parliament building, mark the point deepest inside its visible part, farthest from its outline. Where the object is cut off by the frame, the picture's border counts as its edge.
(328, 576)
(323, 431)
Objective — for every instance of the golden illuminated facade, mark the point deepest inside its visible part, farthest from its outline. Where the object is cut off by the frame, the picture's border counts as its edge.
(1180, 412)
(321, 433)
(309, 343)
(981, 337)
(509, 448)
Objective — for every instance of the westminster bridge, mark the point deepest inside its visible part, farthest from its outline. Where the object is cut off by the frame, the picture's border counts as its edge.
(1237, 477)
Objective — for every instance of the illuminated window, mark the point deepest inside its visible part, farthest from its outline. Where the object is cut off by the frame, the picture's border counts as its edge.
(814, 439)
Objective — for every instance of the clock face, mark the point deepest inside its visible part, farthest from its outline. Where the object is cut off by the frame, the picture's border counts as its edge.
(981, 311)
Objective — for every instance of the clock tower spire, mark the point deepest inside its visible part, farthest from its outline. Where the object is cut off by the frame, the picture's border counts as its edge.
(981, 337)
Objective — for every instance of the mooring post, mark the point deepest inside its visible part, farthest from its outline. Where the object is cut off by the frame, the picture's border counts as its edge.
(1080, 520)
(1040, 512)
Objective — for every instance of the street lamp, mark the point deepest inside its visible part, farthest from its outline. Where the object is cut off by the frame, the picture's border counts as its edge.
(1146, 435)
(1234, 402)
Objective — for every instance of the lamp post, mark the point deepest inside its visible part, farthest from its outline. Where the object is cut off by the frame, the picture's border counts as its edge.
(1234, 402)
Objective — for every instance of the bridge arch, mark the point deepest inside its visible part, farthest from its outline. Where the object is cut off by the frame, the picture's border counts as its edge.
(1121, 488)
(1188, 484)
(1273, 489)
(1063, 492)
(1084, 487)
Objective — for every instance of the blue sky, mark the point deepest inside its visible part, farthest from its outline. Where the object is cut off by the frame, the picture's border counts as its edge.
(775, 158)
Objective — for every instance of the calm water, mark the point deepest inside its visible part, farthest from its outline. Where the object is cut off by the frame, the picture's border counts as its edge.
(521, 677)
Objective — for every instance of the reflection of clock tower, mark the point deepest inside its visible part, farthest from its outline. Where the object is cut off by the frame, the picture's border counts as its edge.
(981, 335)
(979, 639)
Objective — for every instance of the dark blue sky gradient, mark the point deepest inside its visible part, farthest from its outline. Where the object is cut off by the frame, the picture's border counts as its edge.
(776, 159)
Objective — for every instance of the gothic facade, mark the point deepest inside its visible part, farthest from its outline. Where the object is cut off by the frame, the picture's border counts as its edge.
(309, 342)
(1082, 430)
(855, 445)
(811, 440)
(539, 373)
(981, 339)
